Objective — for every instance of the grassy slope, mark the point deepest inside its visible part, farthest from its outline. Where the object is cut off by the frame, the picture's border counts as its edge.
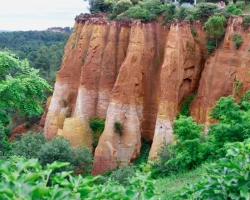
(169, 186)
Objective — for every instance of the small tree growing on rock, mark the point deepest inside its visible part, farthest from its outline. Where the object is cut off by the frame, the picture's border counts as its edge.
(215, 28)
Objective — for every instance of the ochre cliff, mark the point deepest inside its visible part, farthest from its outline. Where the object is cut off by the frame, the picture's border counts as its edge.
(226, 65)
(138, 74)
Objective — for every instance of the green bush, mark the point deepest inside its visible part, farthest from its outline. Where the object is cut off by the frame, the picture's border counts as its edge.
(118, 128)
(183, 13)
(60, 149)
(231, 9)
(97, 126)
(120, 7)
(96, 6)
(227, 179)
(28, 145)
(145, 11)
(191, 148)
(205, 11)
(188, 147)
(194, 32)
(210, 45)
(238, 12)
(232, 126)
(237, 40)
(185, 105)
(82, 160)
(246, 22)
(159, 167)
(169, 14)
(122, 174)
(144, 152)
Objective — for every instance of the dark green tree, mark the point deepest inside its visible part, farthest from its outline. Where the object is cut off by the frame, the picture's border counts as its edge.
(215, 27)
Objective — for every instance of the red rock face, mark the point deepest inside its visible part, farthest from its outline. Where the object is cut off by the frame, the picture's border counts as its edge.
(179, 77)
(223, 66)
(138, 74)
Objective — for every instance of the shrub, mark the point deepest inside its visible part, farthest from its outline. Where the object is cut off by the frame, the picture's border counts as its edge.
(238, 12)
(97, 126)
(159, 167)
(232, 9)
(82, 160)
(4, 144)
(27, 125)
(194, 32)
(227, 178)
(120, 7)
(28, 145)
(169, 13)
(118, 128)
(237, 40)
(182, 13)
(185, 105)
(122, 174)
(246, 22)
(96, 6)
(233, 123)
(144, 152)
(210, 45)
(145, 11)
(204, 11)
(60, 149)
(188, 145)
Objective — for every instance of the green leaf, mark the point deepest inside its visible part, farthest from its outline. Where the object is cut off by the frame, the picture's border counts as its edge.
(245, 193)
(57, 164)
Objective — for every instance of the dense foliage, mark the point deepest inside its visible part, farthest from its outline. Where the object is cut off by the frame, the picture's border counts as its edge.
(28, 145)
(21, 91)
(204, 11)
(237, 40)
(246, 22)
(97, 126)
(184, 111)
(29, 174)
(43, 49)
(215, 27)
(32, 145)
(145, 11)
(228, 178)
(192, 148)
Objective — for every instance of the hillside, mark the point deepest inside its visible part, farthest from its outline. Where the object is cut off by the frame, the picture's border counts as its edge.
(43, 49)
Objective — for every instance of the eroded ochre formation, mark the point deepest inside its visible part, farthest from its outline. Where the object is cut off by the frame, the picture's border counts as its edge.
(138, 74)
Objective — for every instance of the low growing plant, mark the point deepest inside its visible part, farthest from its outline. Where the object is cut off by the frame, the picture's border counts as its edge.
(118, 128)
(97, 126)
(185, 106)
(30, 175)
(246, 22)
(237, 40)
